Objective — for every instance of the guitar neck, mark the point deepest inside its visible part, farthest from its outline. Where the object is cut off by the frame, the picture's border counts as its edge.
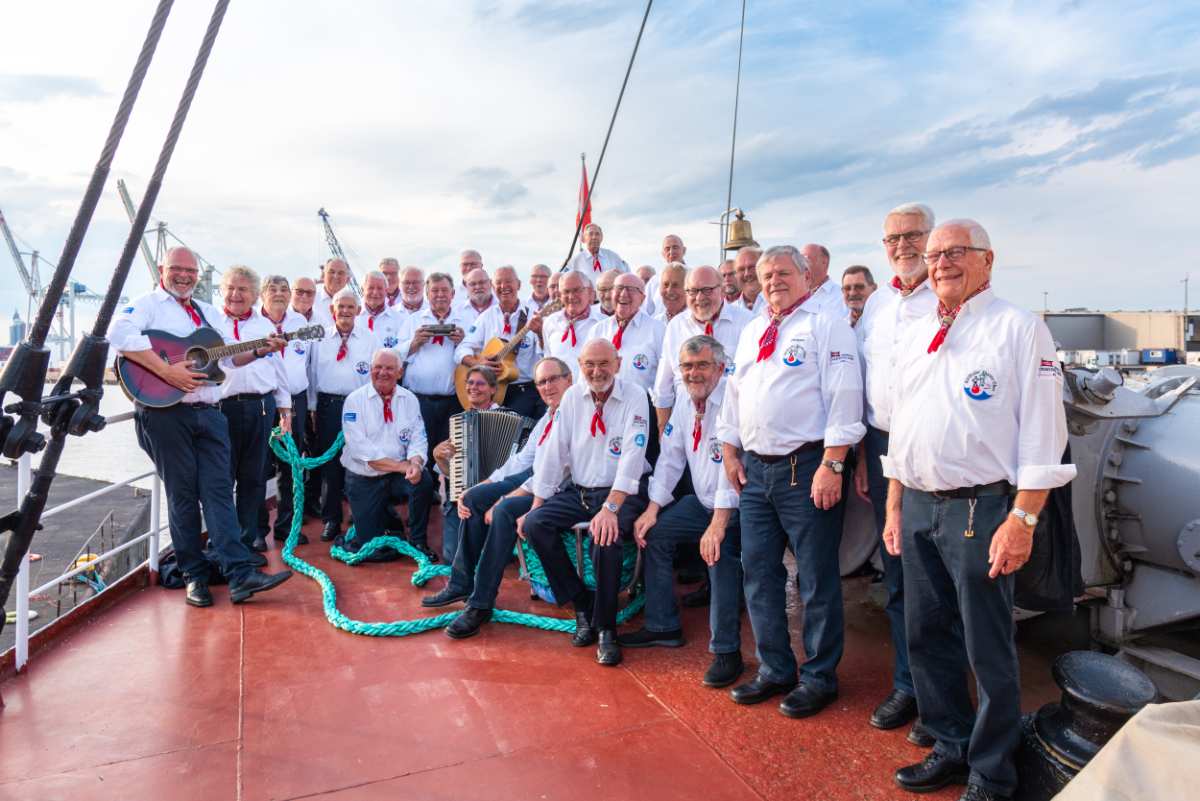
(515, 342)
(216, 354)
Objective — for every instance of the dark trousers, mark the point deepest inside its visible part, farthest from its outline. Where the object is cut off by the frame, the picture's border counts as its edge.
(684, 522)
(283, 473)
(957, 618)
(250, 420)
(875, 445)
(497, 550)
(473, 532)
(312, 478)
(524, 399)
(189, 445)
(436, 411)
(544, 527)
(333, 475)
(370, 499)
(777, 511)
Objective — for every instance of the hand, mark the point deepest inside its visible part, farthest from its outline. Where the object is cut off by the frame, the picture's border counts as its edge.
(464, 511)
(1010, 548)
(520, 525)
(604, 528)
(285, 421)
(862, 487)
(492, 364)
(891, 533)
(276, 343)
(457, 335)
(444, 451)
(487, 516)
(181, 376)
(420, 337)
(413, 472)
(642, 526)
(535, 325)
(734, 470)
(826, 488)
(710, 544)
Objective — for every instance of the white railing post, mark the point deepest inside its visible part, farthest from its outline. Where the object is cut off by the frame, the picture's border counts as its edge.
(24, 479)
(155, 524)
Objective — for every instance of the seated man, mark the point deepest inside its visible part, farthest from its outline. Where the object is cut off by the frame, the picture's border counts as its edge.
(474, 507)
(690, 440)
(603, 428)
(384, 454)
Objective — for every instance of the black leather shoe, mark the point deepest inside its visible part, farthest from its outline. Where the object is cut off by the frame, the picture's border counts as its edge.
(259, 544)
(758, 690)
(584, 634)
(724, 670)
(933, 772)
(240, 591)
(429, 553)
(468, 623)
(198, 594)
(330, 532)
(281, 538)
(698, 598)
(444, 598)
(256, 559)
(977, 792)
(896, 710)
(644, 638)
(805, 701)
(608, 652)
(920, 736)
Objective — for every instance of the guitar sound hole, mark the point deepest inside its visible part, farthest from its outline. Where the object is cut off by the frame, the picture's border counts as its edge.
(198, 358)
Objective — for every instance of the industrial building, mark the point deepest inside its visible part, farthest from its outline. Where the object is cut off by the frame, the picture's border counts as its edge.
(1088, 331)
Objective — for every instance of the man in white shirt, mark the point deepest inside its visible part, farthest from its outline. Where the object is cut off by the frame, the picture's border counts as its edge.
(384, 455)
(604, 291)
(707, 314)
(599, 439)
(857, 286)
(594, 260)
(746, 265)
(646, 273)
(335, 276)
(637, 336)
(792, 411)
(502, 321)
(565, 332)
(690, 442)
(885, 322)
(978, 416)
(390, 268)
(250, 395)
(489, 511)
(304, 294)
(376, 316)
(731, 288)
(339, 364)
(477, 297)
(189, 441)
(673, 251)
(671, 299)
(827, 293)
(412, 293)
(539, 284)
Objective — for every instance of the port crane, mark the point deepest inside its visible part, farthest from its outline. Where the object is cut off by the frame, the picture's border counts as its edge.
(204, 287)
(335, 248)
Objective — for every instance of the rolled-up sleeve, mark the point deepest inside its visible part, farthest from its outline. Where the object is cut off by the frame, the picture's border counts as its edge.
(472, 343)
(556, 450)
(126, 333)
(726, 496)
(841, 386)
(728, 423)
(359, 447)
(671, 460)
(634, 436)
(1042, 421)
(664, 379)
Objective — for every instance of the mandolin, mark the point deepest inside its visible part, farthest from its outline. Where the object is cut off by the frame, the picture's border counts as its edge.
(505, 352)
(203, 348)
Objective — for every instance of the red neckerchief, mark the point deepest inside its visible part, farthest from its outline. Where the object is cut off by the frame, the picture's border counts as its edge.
(416, 308)
(371, 315)
(596, 264)
(766, 343)
(439, 339)
(186, 303)
(598, 415)
(621, 326)
(236, 334)
(571, 326)
(546, 433)
(948, 316)
(392, 297)
(507, 322)
(344, 348)
(278, 325)
(903, 288)
(387, 408)
(697, 428)
(306, 315)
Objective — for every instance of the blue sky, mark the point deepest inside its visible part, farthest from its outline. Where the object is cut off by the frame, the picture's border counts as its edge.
(1071, 130)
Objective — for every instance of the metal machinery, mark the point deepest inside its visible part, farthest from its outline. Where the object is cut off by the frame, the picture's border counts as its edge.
(1137, 511)
(335, 247)
(204, 287)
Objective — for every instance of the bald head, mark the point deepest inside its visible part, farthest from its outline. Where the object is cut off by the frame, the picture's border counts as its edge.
(604, 290)
(672, 249)
(179, 271)
(335, 276)
(599, 362)
(304, 293)
(703, 292)
(629, 292)
(479, 286)
(818, 263)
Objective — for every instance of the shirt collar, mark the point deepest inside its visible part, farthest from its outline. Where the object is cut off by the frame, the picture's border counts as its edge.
(714, 400)
(979, 303)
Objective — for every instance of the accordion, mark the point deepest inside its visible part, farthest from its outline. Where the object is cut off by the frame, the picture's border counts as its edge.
(483, 440)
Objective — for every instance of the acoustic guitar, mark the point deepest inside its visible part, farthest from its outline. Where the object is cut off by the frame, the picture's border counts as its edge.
(202, 349)
(505, 352)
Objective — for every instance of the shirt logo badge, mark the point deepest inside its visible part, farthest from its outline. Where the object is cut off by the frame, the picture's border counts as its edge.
(349, 417)
(667, 431)
(127, 310)
(640, 440)
(729, 368)
(405, 436)
(390, 342)
(362, 368)
(980, 385)
(640, 361)
(794, 355)
(298, 348)
(714, 451)
(614, 446)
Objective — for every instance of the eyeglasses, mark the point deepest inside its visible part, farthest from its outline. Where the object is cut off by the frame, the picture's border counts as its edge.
(706, 291)
(545, 382)
(953, 254)
(570, 293)
(304, 292)
(911, 237)
(686, 366)
(628, 290)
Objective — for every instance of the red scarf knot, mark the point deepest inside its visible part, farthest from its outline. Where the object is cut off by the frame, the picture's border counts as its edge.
(766, 343)
(617, 337)
(708, 328)
(697, 429)
(392, 297)
(598, 414)
(236, 319)
(596, 264)
(947, 316)
(278, 325)
(903, 288)
(344, 348)
(507, 323)
(387, 408)
(439, 339)
(546, 433)
(571, 328)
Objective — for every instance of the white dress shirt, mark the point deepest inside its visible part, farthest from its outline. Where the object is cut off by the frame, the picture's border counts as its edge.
(523, 459)
(677, 450)
(614, 457)
(808, 390)
(369, 438)
(430, 369)
(985, 406)
(491, 325)
(403, 311)
(727, 329)
(536, 305)
(884, 323)
(585, 262)
(641, 345)
(161, 311)
(327, 374)
(829, 299)
(758, 307)
(557, 337)
(652, 305)
(321, 310)
(467, 311)
(295, 356)
(389, 327)
(261, 376)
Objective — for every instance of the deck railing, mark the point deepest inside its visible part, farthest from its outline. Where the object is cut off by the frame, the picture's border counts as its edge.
(24, 478)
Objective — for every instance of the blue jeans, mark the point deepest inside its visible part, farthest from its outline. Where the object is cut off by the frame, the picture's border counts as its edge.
(777, 510)
(250, 421)
(333, 475)
(473, 532)
(189, 446)
(497, 550)
(685, 521)
(370, 498)
(876, 444)
(958, 617)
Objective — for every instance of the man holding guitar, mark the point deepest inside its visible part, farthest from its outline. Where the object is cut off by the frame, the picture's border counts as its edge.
(189, 441)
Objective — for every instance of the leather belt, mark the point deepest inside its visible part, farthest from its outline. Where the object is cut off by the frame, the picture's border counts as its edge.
(434, 397)
(819, 445)
(995, 488)
(246, 396)
(198, 405)
(329, 396)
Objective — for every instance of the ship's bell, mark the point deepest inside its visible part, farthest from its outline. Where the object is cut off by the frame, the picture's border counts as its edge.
(740, 235)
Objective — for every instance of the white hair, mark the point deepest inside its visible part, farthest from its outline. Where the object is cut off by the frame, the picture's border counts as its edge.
(374, 275)
(243, 272)
(386, 352)
(915, 208)
(590, 226)
(344, 292)
(979, 236)
(587, 279)
(794, 255)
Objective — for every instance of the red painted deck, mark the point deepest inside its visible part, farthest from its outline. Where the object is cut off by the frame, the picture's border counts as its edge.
(266, 700)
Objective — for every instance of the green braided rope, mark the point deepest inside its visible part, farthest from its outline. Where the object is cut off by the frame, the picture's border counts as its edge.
(285, 448)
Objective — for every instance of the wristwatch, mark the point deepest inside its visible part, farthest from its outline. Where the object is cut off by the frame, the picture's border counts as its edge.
(609, 506)
(834, 465)
(1025, 517)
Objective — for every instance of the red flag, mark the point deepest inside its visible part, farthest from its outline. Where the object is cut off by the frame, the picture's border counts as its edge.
(583, 214)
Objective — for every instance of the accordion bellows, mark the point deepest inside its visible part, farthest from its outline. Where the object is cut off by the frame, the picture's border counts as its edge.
(483, 440)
